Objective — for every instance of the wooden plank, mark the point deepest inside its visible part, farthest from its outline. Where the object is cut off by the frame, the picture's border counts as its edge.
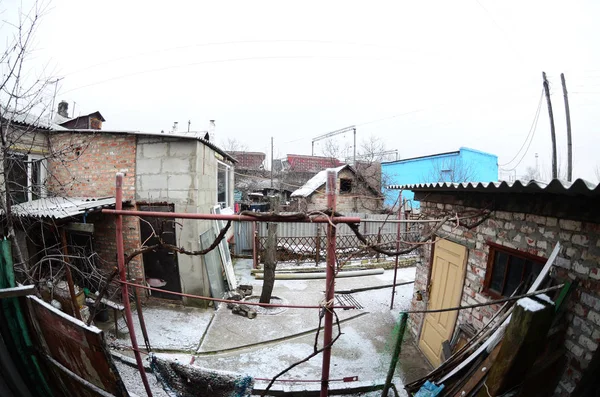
(23, 290)
(492, 341)
(480, 374)
(523, 343)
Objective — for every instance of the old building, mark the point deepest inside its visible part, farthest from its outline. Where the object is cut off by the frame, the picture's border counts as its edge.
(521, 223)
(355, 194)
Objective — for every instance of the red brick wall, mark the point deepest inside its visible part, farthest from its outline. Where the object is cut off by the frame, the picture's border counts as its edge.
(248, 160)
(85, 165)
(300, 163)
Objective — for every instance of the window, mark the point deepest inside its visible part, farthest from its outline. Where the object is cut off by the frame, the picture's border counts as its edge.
(345, 185)
(507, 268)
(223, 183)
(26, 177)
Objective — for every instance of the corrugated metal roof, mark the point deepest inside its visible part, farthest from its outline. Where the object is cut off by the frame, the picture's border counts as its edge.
(62, 207)
(314, 183)
(579, 187)
(30, 120)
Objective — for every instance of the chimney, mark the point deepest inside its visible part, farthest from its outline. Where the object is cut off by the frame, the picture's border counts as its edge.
(211, 131)
(63, 109)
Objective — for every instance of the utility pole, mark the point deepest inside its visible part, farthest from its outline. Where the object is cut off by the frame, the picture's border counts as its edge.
(569, 142)
(552, 130)
(354, 147)
(55, 82)
(272, 162)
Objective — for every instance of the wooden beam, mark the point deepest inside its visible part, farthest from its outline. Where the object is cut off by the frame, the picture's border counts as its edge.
(23, 290)
(523, 342)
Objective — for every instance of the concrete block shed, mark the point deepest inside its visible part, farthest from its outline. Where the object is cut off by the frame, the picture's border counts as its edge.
(514, 228)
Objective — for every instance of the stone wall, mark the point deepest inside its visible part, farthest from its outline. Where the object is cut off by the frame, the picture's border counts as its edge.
(85, 165)
(536, 234)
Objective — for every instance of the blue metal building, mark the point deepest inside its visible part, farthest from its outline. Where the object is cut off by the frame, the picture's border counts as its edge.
(463, 165)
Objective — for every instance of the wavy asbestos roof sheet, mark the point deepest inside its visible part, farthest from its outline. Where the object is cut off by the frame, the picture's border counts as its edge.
(579, 187)
(62, 207)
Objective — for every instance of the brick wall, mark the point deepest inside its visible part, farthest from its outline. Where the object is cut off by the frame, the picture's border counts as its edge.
(536, 234)
(85, 165)
(248, 160)
(300, 163)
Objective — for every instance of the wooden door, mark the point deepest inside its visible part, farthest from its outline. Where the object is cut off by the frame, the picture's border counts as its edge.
(447, 279)
(160, 264)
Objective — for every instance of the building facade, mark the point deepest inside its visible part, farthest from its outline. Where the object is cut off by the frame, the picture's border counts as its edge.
(508, 243)
(463, 165)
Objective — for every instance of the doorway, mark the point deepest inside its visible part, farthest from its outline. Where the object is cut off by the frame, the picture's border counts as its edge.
(446, 285)
(160, 264)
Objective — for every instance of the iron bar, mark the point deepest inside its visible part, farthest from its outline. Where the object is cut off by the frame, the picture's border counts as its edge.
(239, 218)
(124, 288)
(207, 298)
(396, 354)
(397, 249)
(331, 187)
(138, 303)
(76, 313)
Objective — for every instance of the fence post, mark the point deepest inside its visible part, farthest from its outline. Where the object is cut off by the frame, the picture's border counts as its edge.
(397, 249)
(318, 246)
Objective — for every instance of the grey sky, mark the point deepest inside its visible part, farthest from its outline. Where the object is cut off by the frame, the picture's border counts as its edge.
(454, 73)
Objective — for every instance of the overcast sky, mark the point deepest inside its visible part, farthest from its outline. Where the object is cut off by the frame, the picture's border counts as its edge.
(424, 76)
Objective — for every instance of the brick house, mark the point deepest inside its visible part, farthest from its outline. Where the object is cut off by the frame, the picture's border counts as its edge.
(162, 172)
(490, 260)
(354, 193)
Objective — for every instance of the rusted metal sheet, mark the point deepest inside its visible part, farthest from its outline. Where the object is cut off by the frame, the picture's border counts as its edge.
(79, 349)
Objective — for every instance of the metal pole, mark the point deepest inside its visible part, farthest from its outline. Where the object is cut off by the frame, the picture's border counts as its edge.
(569, 142)
(138, 303)
(354, 159)
(69, 275)
(330, 284)
(271, 162)
(397, 248)
(395, 357)
(238, 218)
(124, 288)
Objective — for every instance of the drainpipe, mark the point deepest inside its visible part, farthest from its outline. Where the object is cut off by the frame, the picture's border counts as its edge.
(124, 288)
(330, 284)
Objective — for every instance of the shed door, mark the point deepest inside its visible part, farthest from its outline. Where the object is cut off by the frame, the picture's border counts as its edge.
(447, 278)
(160, 264)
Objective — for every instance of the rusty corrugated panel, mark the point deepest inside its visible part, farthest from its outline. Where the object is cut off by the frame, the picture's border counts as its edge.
(79, 349)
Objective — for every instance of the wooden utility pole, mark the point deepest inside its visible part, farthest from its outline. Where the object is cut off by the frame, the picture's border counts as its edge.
(552, 130)
(569, 142)
(272, 162)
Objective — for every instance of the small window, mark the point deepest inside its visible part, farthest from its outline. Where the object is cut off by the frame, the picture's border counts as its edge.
(345, 185)
(507, 268)
(26, 177)
(223, 185)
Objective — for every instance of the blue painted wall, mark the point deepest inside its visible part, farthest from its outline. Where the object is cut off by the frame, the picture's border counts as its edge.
(443, 167)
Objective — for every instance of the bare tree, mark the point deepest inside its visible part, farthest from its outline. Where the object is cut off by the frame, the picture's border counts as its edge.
(335, 149)
(452, 170)
(531, 173)
(21, 97)
(234, 145)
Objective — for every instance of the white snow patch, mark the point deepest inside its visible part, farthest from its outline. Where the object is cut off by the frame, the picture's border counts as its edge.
(530, 305)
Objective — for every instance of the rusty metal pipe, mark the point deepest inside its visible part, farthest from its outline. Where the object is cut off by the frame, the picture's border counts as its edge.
(124, 288)
(331, 187)
(397, 249)
(239, 218)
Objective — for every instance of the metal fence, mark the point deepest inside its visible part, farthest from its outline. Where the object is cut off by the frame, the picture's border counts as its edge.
(307, 241)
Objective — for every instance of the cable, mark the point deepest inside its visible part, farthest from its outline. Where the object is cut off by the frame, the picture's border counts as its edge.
(531, 129)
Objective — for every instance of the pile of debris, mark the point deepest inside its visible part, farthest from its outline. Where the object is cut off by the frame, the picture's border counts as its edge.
(241, 292)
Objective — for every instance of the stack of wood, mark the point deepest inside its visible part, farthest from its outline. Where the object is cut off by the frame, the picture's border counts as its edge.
(517, 353)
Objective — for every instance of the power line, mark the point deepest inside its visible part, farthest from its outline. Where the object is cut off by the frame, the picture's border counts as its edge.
(531, 130)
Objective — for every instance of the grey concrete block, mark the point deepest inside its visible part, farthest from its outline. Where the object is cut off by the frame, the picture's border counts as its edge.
(147, 166)
(180, 182)
(183, 149)
(154, 150)
(176, 165)
(153, 182)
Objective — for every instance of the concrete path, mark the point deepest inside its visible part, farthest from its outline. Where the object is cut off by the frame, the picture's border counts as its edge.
(264, 346)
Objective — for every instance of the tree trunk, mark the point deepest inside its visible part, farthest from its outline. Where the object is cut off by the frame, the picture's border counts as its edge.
(270, 264)
(270, 255)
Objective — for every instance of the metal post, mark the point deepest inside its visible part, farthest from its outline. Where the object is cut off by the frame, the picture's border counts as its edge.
(397, 248)
(254, 246)
(395, 357)
(124, 288)
(331, 188)
(318, 246)
(76, 312)
(138, 303)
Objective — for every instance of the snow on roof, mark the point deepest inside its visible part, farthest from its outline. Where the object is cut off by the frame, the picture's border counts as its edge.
(315, 182)
(29, 119)
(62, 207)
